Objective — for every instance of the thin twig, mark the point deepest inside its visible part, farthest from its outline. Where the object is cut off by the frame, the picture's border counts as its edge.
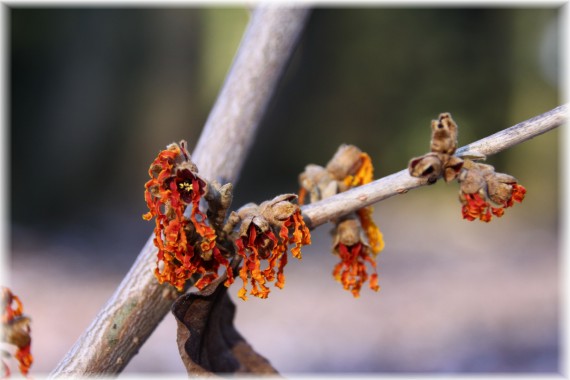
(140, 303)
(401, 182)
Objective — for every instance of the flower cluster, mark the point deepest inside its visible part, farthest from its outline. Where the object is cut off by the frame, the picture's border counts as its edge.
(265, 233)
(479, 183)
(16, 331)
(356, 238)
(186, 243)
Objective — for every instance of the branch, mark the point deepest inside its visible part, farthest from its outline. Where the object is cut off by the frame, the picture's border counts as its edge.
(140, 302)
(401, 182)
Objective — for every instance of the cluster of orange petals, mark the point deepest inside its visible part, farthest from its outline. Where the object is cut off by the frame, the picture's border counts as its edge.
(351, 271)
(16, 331)
(270, 245)
(475, 206)
(186, 246)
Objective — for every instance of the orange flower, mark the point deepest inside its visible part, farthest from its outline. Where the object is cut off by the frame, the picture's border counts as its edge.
(518, 194)
(265, 233)
(375, 237)
(16, 331)
(480, 185)
(351, 245)
(185, 245)
(351, 271)
(363, 175)
(475, 207)
(349, 167)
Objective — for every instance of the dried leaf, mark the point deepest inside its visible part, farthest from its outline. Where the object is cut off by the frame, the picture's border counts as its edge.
(208, 342)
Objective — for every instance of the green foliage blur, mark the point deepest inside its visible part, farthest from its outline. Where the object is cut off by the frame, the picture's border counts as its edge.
(95, 93)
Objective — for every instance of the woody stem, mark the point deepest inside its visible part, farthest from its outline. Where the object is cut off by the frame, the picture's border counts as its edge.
(401, 182)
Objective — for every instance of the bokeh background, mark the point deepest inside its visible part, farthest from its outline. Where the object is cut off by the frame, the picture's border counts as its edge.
(95, 93)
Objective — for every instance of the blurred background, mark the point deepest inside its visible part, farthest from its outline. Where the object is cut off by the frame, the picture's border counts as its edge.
(95, 93)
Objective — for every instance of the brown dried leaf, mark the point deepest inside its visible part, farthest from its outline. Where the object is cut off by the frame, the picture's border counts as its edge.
(207, 340)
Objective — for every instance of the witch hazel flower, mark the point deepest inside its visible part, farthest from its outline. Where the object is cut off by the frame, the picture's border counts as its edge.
(484, 193)
(15, 332)
(265, 233)
(356, 238)
(186, 242)
(354, 252)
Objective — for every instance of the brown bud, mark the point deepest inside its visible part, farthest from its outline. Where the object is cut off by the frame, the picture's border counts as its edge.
(451, 167)
(348, 232)
(471, 179)
(318, 182)
(17, 331)
(443, 134)
(345, 162)
(500, 187)
(279, 208)
(428, 166)
(219, 200)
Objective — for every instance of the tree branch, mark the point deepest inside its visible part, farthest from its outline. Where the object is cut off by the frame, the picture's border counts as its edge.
(140, 302)
(401, 182)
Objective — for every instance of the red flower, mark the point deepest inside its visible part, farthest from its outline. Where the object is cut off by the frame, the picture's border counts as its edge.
(357, 240)
(351, 271)
(186, 245)
(475, 207)
(518, 194)
(480, 185)
(16, 331)
(265, 234)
